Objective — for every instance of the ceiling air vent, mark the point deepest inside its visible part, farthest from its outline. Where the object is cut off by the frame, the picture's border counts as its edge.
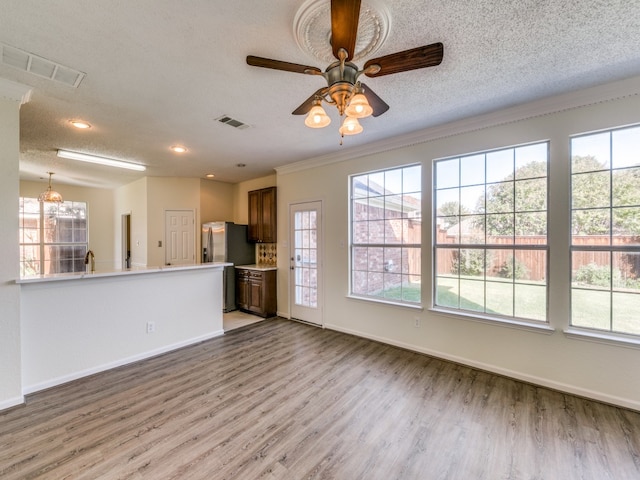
(232, 122)
(42, 67)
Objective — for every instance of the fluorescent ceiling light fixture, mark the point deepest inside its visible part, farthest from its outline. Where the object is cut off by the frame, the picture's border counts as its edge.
(83, 157)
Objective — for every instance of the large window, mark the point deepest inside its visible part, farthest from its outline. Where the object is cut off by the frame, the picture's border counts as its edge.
(605, 231)
(490, 232)
(53, 237)
(386, 225)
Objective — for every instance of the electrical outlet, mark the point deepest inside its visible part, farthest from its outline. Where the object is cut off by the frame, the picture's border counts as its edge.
(416, 322)
(151, 327)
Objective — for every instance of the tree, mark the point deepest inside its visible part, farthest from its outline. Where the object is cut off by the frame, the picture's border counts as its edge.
(452, 211)
(595, 188)
(626, 194)
(525, 194)
(590, 187)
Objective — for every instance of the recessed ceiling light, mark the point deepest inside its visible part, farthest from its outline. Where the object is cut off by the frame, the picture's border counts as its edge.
(178, 148)
(209, 175)
(80, 124)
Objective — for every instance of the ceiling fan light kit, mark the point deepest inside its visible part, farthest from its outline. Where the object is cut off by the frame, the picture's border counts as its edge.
(351, 97)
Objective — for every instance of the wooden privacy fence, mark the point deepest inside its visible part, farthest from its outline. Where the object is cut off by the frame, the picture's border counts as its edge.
(533, 262)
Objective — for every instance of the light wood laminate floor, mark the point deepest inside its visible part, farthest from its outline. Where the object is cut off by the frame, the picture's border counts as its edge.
(283, 400)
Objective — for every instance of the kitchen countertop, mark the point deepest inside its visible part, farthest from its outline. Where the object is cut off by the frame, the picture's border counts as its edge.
(115, 273)
(258, 267)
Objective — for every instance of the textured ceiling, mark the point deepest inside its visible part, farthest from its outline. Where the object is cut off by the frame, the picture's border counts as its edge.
(160, 72)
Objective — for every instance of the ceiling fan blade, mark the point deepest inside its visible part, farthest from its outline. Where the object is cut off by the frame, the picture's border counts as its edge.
(345, 15)
(280, 65)
(308, 103)
(379, 106)
(421, 57)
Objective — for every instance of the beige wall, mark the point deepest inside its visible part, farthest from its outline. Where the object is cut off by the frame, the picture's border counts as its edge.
(597, 370)
(100, 211)
(216, 201)
(169, 194)
(131, 199)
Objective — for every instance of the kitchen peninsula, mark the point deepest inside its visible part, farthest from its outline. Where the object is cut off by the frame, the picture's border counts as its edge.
(74, 325)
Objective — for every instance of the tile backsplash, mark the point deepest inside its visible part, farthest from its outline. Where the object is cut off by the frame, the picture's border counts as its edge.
(266, 254)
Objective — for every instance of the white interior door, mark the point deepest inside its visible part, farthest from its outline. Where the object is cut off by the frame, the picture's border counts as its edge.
(179, 237)
(306, 262)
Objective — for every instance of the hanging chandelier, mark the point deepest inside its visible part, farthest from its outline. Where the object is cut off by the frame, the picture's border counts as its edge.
(50, 195)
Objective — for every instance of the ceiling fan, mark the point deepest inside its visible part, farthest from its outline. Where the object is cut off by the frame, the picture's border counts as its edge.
(344, 90)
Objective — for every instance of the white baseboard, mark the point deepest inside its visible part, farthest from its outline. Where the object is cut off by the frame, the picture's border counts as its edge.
(12, 402)
(117, 363)
(543, 382)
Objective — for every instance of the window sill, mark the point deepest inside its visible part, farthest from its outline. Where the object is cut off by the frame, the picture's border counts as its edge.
(530, 326)
(412, 306)
(607, 338)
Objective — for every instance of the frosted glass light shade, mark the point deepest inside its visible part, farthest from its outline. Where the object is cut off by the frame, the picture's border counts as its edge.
(359, 107)
(317, 118)
(351, 126)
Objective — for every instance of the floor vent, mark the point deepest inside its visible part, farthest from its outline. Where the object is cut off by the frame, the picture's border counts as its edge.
(232, 122)
(28, 62)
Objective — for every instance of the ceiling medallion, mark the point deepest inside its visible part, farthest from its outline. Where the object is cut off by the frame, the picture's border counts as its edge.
(312, 29)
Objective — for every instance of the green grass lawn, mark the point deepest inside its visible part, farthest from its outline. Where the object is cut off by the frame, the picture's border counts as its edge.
(406, 292)
(590, 308)
(500, 297)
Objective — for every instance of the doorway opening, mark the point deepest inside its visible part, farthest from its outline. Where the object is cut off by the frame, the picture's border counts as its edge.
(126, 241)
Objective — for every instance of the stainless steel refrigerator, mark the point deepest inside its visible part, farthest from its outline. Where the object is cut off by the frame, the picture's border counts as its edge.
(227, 242)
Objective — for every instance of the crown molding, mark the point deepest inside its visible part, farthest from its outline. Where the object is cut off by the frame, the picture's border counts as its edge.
(13, 91)
(546, 106)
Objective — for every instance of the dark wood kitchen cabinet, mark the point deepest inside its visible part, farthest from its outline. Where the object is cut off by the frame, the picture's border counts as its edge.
(256, 291)
(262, 215)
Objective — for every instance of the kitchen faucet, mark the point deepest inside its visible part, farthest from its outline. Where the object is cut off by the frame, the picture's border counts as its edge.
(93, 260)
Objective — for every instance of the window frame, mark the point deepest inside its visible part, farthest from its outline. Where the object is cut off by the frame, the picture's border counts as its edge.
(610, 249)
(42, 244)
(538, 324)
(404, 248)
